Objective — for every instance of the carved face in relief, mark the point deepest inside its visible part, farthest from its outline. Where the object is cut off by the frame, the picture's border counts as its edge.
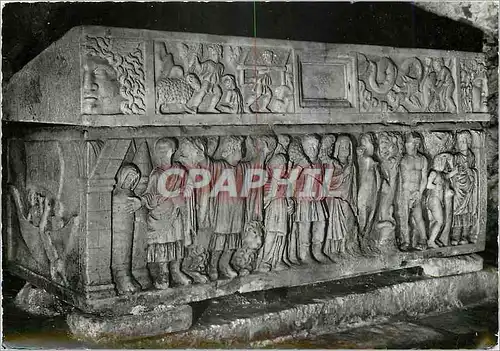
(310, 144)
(101, 89)
(228, 82)
(164, 149)
(438, 64)
(267, 57)
(232, 149)
(463, 142)
(412, 144)
(188, 153)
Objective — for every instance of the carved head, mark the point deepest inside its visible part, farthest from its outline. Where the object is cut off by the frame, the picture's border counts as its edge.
(113, 77)
(189, 152)
(231, 149)
(438, 64)
(343, 149)
(464, 141)
(101, 89)
(267, 57)
(252, 235)
(389, 146)
(310, 145)
(441, 162)
(193, 81)
(283, 140)
(413, 143)
(366, 143)
(128, 177)
(265, 144)
(163, 150)
(228, 82)
(214, 52)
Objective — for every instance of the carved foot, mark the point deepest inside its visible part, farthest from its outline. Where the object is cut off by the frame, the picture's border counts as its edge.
(318, 254)
(281, 266)
(244, 272)
(431, 244)
(159, 274)
(420, 247)
(264, 267)
(454, 242)
(126, 284)
(179, 278)
(404, 247)
(213, 276)
(228, 273)
(197, 277)
(463, 242)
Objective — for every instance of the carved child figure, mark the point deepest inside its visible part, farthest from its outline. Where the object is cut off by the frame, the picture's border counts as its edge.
(127, 178)
(413, 181)
(438, 200)
(244, 258)
(231, 100)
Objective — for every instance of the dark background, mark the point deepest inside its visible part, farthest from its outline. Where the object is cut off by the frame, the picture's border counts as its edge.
(30, 28)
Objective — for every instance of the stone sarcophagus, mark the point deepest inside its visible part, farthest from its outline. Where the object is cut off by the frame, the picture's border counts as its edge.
(149, 168)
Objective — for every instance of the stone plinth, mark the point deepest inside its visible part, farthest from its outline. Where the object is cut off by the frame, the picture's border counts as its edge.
(381, 151)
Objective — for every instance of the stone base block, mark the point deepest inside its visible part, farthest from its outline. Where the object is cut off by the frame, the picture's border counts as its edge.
(162, 320)
(443, 266)
(242, 320)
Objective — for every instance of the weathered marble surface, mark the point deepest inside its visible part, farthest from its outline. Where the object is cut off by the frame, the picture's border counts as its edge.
(398, 131)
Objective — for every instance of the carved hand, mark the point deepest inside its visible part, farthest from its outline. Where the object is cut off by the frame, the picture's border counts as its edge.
(133, 204)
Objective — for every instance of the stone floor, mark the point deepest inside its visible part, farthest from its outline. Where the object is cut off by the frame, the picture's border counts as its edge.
(473, 327)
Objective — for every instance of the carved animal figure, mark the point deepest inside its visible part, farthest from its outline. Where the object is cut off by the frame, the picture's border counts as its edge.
(176, 90)
(389, 75)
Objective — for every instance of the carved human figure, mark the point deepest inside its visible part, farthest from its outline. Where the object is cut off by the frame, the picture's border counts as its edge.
(244, 259)
(342, 229)
(369, 184)
(389, 153)
(464, 182)
(191, 155)
(231, 100)
(311, 212)
(278, 209)
(229, 206)
(127, 178)
(167, 221)
(209, 72)
(413, 181)
(438, 200)
(262, 92)
(445, 85)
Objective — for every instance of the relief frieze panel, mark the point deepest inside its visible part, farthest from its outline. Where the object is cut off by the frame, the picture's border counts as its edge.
(217, 78)
(407, 84)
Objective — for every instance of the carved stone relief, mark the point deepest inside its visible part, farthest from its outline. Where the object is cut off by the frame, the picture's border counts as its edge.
(113, 76)
(324, 199)
(216, 78)
(407, 85)
(473, 85)
(47, 217)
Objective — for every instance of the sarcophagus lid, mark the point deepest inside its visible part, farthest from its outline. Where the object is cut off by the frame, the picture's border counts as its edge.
(98, 76)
